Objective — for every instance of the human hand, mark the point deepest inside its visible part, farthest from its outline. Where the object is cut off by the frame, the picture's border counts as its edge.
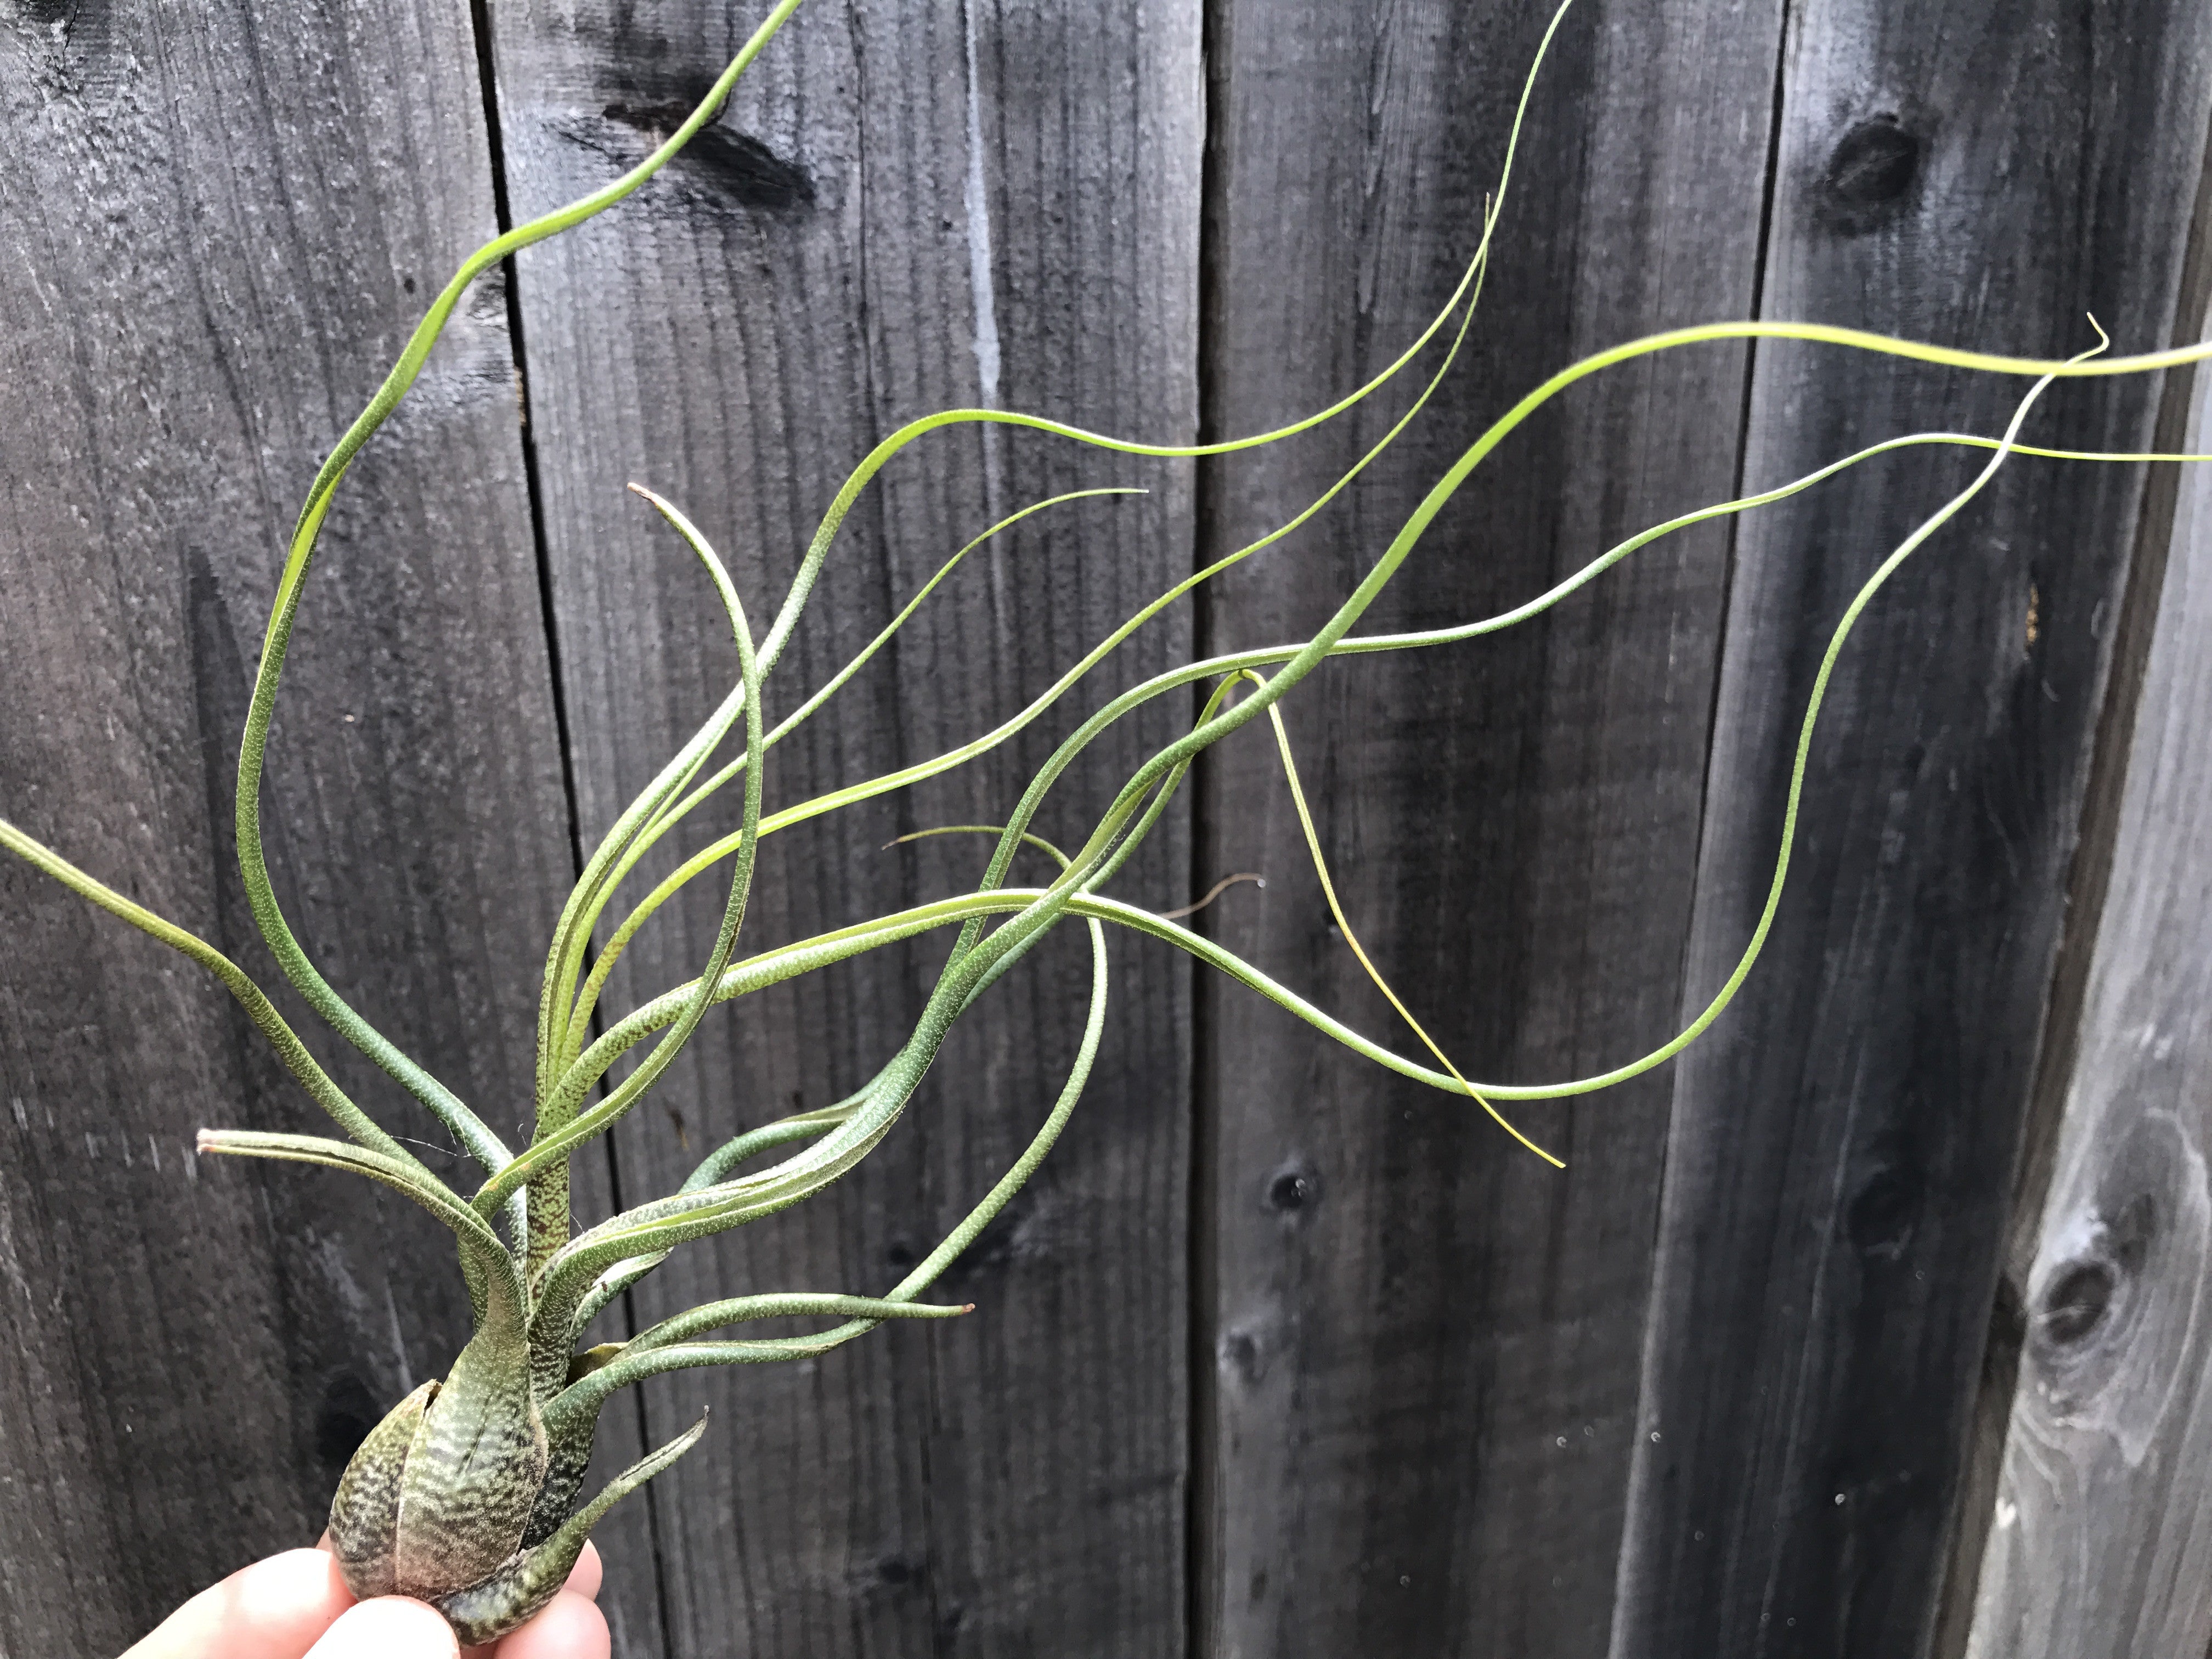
(296, 1606)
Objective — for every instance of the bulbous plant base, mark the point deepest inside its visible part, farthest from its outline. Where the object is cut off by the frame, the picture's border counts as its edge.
(439, 1500)
(365, 1513)
(437, 1497)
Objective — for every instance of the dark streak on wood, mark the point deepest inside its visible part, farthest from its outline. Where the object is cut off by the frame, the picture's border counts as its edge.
(716, 169)
(212, 257)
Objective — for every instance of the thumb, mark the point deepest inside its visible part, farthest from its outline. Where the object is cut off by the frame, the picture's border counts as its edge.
(390, 1627)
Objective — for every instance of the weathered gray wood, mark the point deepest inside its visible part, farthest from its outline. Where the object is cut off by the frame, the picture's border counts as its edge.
(905, 208)
(2097, 1544)
(1424, 1341)
(2089, 883)
(1842, 1147)
(217, 224)
(218, 227)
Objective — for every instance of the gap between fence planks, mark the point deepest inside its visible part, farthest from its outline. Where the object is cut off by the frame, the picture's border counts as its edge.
(1841, 1159)
(1422, 1343)
(902, 210)
(212, 257)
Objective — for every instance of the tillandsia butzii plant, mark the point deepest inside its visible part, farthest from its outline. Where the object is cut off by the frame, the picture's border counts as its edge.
(465, 1495)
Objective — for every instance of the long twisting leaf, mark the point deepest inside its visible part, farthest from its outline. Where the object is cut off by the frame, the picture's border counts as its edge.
(630, 1362)
(487, 1147)
(666, 812)
(667, 1347)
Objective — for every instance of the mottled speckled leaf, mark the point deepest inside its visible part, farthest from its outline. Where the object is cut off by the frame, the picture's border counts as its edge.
(474, 1468)
(365, 1514)
(486, 1612)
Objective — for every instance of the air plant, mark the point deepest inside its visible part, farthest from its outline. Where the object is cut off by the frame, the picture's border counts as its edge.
(465, 1494)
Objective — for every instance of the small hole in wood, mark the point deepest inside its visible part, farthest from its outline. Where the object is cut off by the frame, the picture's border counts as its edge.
(2077, 1301)
(1293, 1189)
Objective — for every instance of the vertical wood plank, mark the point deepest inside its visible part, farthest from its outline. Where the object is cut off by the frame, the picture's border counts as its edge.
(2095, 1546)
(1842, 1145)
(1424, 1342)
(218, 223)
(903, 208)
(2089, 883)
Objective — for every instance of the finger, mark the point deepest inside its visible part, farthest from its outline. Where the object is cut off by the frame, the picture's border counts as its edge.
(584, 1577)
(389, 1627)
(274, 1609)
(570, 1627)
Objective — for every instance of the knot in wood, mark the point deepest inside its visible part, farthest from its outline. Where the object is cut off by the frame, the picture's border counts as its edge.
(1869, 176)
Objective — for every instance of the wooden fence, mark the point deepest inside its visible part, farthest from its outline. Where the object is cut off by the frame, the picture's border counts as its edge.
(1877, 1325)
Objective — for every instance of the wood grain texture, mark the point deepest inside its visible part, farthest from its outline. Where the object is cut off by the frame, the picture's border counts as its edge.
(2089, 884)
(1424, 1341)
(217, 224)
(1842, 1153)
(2097, 1542)
(1435, 1398)
(903, 208)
